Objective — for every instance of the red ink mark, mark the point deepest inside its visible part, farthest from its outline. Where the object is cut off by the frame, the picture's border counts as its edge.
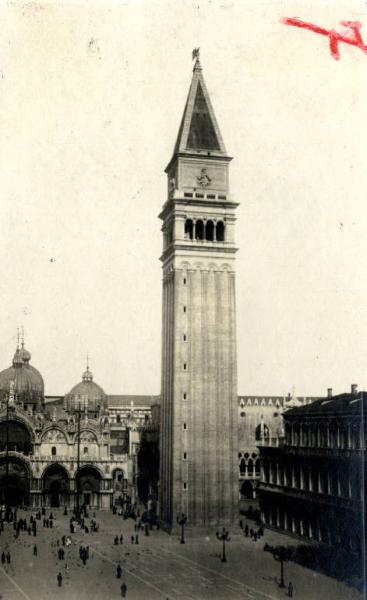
(351, 36)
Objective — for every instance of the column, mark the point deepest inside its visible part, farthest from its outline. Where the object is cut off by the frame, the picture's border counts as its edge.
(310, 483)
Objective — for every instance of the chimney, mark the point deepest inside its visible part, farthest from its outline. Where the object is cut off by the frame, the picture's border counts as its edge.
(330, 392)
(354, 389)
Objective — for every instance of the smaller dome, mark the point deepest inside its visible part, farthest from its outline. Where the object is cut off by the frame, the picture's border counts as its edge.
(86, 395)
(25, 355)
(17, 359)
(87, 375)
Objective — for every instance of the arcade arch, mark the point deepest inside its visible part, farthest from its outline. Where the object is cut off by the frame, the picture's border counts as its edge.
(14, 481)
(55, 486)
(18, 436)
(88, 483)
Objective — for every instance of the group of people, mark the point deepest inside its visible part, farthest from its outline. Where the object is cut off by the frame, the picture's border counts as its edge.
(253, 533)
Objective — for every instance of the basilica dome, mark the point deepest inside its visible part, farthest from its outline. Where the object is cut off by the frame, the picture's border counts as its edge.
(86, 395)
(28, 382)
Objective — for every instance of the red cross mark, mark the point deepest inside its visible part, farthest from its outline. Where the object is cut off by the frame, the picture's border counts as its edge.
(351, 35)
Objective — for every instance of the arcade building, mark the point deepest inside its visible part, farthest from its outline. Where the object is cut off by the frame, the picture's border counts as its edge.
(64, 451)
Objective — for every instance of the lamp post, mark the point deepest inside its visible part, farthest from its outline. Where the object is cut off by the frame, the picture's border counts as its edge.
(223, 537)
(181, 520)
(7, 458)
(78, 465)
(281, 555)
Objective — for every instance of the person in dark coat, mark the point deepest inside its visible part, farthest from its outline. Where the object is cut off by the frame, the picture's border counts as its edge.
(123, 590)
(290, 590)
(121, 539)
(246, 530)
(118, 572)
(35, 551)
(137, 538)
(132, 539)
(8, 559)
(3, 557)
(59, 580)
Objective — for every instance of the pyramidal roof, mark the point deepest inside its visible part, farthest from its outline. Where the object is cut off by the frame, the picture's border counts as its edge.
(199, 128)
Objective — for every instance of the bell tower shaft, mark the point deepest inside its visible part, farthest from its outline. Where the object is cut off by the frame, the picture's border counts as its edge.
(199, 472)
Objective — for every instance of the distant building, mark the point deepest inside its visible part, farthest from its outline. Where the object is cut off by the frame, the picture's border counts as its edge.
(313, 480)
(260, 418)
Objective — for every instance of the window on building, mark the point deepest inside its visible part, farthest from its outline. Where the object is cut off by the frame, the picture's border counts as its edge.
(185, 486)
(185, 455)
(53, 451)
(184, 425)
(184, 308)
(184, 281)
(184, 337)
(118, 419)
(189, 226)
(85, 450)
(185, 366)
(184, 396)
(199, 230)
(209, 231)
(220, 231)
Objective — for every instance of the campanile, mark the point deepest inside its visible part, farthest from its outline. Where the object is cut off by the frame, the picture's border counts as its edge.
(198, 448)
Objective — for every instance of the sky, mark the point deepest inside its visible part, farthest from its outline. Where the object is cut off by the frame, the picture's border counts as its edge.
(91, 100)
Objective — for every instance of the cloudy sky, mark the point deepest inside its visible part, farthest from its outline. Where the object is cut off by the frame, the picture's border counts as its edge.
(91, 99)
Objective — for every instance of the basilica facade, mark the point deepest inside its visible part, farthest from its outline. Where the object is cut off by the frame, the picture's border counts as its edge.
(77, 449)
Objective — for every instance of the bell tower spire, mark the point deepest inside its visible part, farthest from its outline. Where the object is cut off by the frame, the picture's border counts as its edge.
(199, 471)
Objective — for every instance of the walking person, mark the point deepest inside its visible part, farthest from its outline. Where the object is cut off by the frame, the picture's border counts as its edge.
(8, 558)
(118, 572)
(123, 590)
(290, 590)
(59, 580)
(35, 550)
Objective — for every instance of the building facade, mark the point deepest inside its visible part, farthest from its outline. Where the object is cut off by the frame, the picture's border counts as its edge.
(312, 480)
(260, 418)
(198, 468)
(66, 451)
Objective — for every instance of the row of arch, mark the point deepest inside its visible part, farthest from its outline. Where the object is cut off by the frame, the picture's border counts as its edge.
(55, 483)
(202, 229)
(18, 437)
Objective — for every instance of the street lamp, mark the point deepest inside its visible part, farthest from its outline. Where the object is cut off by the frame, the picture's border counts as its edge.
(223, 537)
(78, 466)
(181, 520)
(281, 555)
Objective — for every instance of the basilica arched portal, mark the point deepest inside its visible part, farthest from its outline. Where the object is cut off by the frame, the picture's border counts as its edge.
(55, 486)
(88, 484)
(14, 481)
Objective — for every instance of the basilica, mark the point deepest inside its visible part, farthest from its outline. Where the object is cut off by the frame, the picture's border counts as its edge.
(72, 450)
